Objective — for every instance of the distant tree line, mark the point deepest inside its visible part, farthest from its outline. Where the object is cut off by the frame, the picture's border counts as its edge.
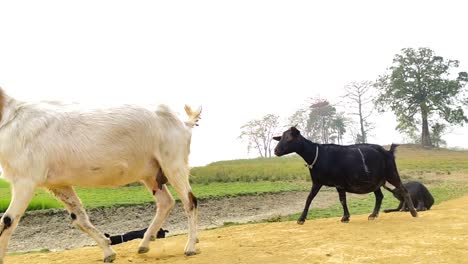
(422, 89)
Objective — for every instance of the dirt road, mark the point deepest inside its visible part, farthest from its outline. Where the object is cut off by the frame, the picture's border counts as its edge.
(436, 236)
(53, 230)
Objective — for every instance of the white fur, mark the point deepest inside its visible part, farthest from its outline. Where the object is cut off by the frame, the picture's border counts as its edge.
(57, 146)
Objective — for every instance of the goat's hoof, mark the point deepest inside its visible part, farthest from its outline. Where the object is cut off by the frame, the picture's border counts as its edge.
(152, 238)
(110, 258)
(386, 211)
(372, 217)
(414, 213)
(345, 220)
(190, 253)
(300, 222)
(143, 250)
(198, 240)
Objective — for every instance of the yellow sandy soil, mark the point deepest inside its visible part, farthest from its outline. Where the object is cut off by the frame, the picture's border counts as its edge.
(436, 236)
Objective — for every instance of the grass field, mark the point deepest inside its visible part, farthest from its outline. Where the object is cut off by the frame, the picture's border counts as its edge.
(445, 171)
(98, 197)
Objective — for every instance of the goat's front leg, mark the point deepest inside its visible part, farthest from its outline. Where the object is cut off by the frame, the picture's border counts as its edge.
(313, 192)
(22, 193)
(342, 196)
(80, 219)
(396, 209)
(378, 202)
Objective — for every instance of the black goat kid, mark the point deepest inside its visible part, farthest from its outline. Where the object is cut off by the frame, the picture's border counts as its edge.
(360, 168)
(117, 239)
(420, 196)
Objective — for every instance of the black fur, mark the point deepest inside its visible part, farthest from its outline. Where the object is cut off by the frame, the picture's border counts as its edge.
(193, 200)
(117, 239)
(420, 195)
(7, 221)
(360, 168)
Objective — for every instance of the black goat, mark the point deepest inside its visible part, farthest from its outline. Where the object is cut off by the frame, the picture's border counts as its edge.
(361, 168)
(117, 239)
(420, 195)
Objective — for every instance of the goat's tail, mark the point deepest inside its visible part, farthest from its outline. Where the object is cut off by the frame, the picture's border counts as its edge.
(193, 116)
(393, 148)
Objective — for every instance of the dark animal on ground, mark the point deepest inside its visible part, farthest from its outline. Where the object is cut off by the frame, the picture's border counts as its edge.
(117, 239)
(420, 195)
(360, 168)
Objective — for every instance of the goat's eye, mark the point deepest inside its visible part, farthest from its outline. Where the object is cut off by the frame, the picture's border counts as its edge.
(289, 138)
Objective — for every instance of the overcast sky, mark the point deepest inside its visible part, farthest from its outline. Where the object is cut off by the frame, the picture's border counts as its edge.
(239, 59)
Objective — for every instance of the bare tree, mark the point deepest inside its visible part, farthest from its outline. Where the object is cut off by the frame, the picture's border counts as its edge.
(358, 96)
(259, 134)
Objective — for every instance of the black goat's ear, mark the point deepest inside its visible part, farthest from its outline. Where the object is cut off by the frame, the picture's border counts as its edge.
(277, 138)
(295, 132)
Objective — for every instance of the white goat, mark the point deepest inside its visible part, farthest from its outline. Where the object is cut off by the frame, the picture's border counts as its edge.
(58, 146)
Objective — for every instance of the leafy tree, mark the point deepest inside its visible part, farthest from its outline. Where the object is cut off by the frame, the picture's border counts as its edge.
(320, 122)
(420, 83)
(300, 120)
(320, 119)
(259, 134)
(325, 125)
(338, 127)
(438, 130)
(358, 97)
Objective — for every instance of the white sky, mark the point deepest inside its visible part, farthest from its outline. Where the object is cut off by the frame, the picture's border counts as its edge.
(239, 59)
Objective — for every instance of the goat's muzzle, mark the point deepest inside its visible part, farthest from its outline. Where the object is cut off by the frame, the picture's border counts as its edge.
(277, 152)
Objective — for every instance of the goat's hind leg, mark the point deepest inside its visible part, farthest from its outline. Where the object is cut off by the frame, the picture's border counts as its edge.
(408, 200)
(22, 193)
(80, 219)
(164, 203)
(378, 202)
(405, 194)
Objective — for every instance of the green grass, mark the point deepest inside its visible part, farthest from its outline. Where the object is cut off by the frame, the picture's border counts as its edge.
(37, 251)
(414, 159)
(104, 197)
(251, 170)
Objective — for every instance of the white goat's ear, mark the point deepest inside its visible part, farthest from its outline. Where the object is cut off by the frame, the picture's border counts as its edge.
(277, 138)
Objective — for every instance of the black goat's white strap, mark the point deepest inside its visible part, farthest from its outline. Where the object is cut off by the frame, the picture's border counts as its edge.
(363, 161)
(311, 166)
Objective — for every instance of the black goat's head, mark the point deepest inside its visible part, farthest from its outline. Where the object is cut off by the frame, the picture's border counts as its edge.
(291, 141)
